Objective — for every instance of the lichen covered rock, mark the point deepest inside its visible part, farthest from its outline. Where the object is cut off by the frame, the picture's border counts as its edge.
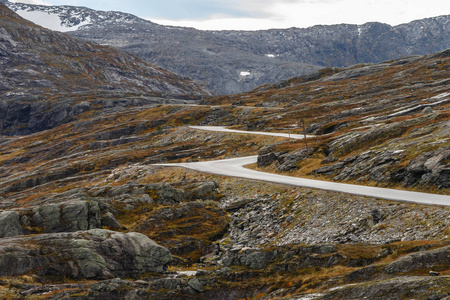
(93, 254)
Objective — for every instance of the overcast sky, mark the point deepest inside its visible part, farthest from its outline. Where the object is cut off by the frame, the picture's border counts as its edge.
(265, 14)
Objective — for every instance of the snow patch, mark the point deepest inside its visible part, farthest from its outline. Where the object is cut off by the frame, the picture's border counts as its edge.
(50, 21)
(245, 73)
(270, 55)
(359, 30)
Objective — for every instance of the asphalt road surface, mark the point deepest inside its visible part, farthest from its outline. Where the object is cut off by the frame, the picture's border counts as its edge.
(223, 129)
(235, 167)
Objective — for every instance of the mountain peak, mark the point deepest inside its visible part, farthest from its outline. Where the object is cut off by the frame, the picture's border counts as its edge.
(43, 70)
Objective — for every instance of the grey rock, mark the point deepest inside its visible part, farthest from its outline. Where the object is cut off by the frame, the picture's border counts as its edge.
(430, 167)
(85, 254)
(266, 150)
(204, 190)
(235, 203)
(289, 161)
(109, 286)
(224, 271)
(10, 224)
(258, 259)
(227, 261)
(290, 219)
(145, 198)
(419, 261)
(68, 216)
(167, 284)
(329, 170)
(165, 193)
(196, 285)
(392, 288)
(427, 110)
(329, 159)
(266, 159)
(350, 141)
(108, 220)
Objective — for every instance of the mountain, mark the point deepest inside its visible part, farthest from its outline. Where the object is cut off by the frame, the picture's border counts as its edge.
(234, 61)
(46, 71)
(86, 213)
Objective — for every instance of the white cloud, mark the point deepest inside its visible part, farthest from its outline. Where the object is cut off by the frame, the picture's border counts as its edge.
(265, 14)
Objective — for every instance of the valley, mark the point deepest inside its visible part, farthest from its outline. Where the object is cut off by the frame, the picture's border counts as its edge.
(228, 62)
(109, 187)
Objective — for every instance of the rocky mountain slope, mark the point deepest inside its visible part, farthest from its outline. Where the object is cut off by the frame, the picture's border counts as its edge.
(88, 189)
(235, 61)
(47, 77)
(85, 213)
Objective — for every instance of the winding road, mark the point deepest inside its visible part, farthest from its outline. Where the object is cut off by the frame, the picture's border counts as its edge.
(235, 167)
(223, 129)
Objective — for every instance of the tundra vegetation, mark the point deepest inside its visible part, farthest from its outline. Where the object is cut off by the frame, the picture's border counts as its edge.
(86, 214)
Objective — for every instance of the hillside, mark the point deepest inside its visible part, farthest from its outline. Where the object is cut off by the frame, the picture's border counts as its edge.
(377, 124)
(86, 213)
(236, 61)
(80, 201)
(47, 77)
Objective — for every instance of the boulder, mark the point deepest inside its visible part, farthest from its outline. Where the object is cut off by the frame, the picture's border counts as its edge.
(266, 159)
(9, 224)
(430, 168)
(258, 259)
(93, 254)
(67, 216)
(164, 193)
(204, 191)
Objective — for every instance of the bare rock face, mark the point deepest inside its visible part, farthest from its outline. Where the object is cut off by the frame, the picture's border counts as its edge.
(92, 254)
(405, 287)
(431, 167)
(421, 260)
(9, 224)
(288, 162)
(68, 216)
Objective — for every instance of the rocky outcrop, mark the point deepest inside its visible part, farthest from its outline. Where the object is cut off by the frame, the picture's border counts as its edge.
(202, 190)
(405, 287)
(67, 216)
(187, 229)
(284, 161)
(10, 224)
(289, 161)
(266, 159)
(436, 260)
(316, 218)
(93, 254)
(430, 168)
(348, 142)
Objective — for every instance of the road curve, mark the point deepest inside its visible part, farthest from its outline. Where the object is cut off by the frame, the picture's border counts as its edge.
(223, 129)
(235, 167)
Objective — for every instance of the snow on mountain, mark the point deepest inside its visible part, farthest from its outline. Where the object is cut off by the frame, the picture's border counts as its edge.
(68, 18)
(50, 21)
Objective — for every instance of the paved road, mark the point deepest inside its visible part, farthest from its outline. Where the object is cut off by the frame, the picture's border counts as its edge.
(223, 129)
(235, 167)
